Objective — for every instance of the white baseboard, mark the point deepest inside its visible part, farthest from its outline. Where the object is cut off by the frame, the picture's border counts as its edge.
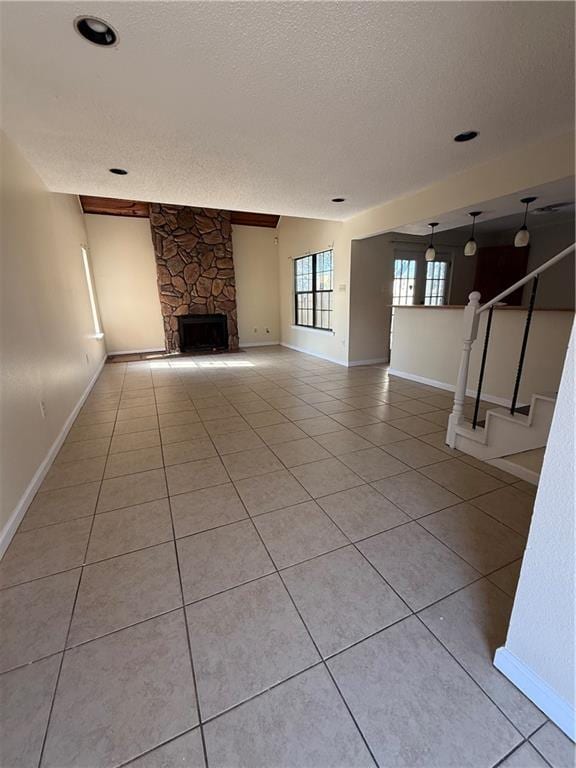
(448, 387)
(537, 690)
(522, 473)
(314, 354)
(258, 344)
(15, 518)
(373, 361)
(134, 351)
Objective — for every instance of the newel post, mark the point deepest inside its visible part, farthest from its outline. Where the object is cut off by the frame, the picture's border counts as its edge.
(470, 331)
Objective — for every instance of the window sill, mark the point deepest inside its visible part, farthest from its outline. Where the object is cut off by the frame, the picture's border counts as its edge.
(312, 330)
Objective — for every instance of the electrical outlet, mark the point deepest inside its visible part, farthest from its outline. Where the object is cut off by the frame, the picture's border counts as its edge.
(255, 330)
(267, 330)
(43, 408)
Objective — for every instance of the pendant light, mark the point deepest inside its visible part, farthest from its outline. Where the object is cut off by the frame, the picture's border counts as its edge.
(430, 254)
(522, 237)
(471, 247)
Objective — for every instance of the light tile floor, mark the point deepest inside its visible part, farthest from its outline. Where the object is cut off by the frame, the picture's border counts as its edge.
(264, 559)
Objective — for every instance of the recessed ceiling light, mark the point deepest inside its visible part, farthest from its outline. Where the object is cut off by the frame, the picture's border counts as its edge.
(118, 171)
(95, 30)
(465, 136)
(338, 199)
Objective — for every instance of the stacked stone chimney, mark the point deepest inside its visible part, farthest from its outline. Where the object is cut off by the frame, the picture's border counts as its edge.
(193, 248)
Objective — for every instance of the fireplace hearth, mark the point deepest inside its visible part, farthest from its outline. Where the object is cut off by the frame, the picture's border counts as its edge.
(199, 333)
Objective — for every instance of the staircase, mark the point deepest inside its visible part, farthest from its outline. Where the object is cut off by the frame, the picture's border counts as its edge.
(511, 438)
(504, 436)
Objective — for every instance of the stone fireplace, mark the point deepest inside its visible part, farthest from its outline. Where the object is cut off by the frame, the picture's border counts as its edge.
(195, 268)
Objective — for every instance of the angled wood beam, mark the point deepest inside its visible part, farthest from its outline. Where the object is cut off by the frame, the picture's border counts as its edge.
(112, 206)
(247, 219)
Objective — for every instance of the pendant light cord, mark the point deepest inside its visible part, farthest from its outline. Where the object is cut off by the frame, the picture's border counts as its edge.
(525, 213)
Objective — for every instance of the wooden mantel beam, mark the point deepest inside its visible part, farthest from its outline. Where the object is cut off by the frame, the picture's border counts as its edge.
(111, 206)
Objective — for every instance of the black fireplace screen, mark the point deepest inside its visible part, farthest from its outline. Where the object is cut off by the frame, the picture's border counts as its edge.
(202, 332)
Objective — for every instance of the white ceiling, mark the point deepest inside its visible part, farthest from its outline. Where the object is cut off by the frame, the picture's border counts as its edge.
(279, 106)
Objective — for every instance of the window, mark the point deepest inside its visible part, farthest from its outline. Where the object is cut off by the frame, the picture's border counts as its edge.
(313, 290)
(93, 308)
(435, 290)
(404, 281)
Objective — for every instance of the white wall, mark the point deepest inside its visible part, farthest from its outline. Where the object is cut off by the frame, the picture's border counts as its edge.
(427, 343)
(257, 292)
(48, 349)
(125, 272)
(539, 651)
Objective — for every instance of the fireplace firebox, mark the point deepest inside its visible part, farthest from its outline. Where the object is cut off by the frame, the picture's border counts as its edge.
(202, 332)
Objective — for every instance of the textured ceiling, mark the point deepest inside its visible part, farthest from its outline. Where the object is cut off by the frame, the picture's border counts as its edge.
(279, 106)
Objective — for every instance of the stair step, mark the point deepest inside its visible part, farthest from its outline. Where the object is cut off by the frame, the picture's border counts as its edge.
(526, 465)
(525, 409)
(531, 460)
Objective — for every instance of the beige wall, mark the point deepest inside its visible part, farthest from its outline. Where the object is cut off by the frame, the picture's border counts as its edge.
(297, 237)
(427, 344)
(370, 298)
(257, 294)
(539, 651)
(48, 349)
(125, 272)
(556, 285)
(525, 168)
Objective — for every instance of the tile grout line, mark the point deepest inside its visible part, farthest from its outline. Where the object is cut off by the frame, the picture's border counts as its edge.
(187, 630)
(306, 628)
(251, 581)
(363, 483)
(383, 629)
(61, 665)
(321, 657)
(277, 570)
(469, 675)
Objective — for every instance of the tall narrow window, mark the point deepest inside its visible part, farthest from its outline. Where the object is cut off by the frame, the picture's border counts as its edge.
(435, 290)
(89, 283)
(404, 281)
(313, 290)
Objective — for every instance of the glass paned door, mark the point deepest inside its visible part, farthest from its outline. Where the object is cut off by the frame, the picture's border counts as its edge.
(404, 281)
(435, 289)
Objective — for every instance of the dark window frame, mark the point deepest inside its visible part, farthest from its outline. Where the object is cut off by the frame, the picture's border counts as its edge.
(315, 291)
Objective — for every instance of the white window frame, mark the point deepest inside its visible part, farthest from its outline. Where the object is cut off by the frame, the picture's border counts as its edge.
(91, 293)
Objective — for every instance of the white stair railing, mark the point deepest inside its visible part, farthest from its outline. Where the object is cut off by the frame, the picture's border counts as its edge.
(472, 313)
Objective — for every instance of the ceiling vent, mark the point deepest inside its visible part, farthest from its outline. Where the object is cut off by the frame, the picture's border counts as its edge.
(552, 208)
